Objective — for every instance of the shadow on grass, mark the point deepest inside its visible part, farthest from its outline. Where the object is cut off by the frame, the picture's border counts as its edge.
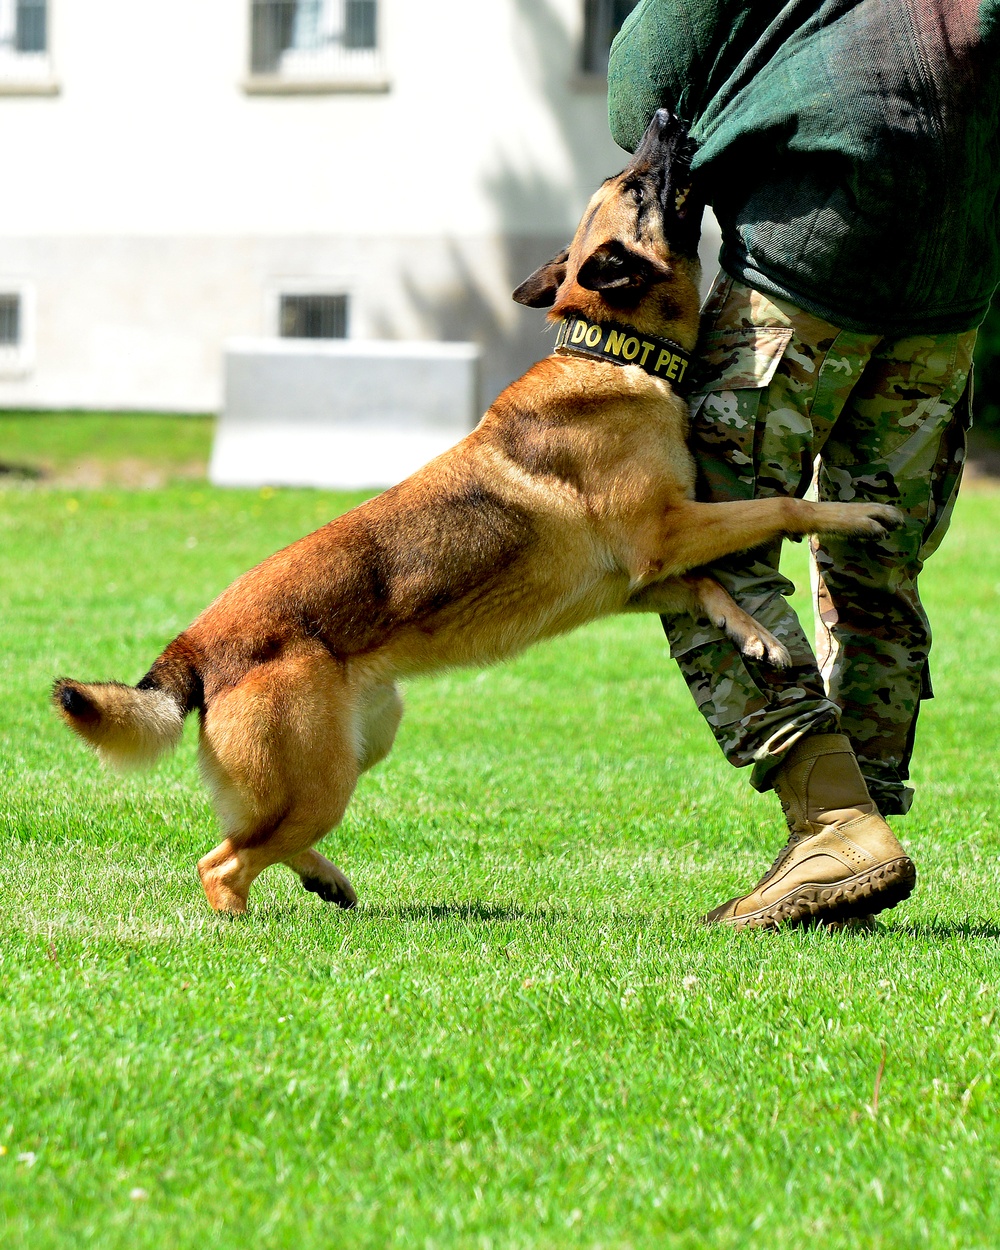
(928, 930)
(485, 912)
(943, 930)
(506, 913)
(509, 913)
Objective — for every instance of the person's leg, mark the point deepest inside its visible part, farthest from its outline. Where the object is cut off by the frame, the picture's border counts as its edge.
(841, 860)
(756, 432)
(780, 380)
(900, 440)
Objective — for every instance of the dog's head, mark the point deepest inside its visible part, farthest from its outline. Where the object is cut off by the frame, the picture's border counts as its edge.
(636, 250)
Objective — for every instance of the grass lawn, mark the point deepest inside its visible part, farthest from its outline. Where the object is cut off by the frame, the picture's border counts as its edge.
(521, 1037)
(96, 449)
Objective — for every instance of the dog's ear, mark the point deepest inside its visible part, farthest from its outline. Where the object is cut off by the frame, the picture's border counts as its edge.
(615, 268)
(539, 291)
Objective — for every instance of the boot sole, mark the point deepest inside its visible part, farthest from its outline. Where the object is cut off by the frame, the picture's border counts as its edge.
(864, 894)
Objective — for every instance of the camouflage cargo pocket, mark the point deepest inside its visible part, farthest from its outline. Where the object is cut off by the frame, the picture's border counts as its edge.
(736, 367)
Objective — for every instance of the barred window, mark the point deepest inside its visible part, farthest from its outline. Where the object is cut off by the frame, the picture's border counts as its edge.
(24, 41)
(313, 38)
(602, 20)
(30, 26)
(359, 24)
(10, 320)
(313, 316)
(17, 328)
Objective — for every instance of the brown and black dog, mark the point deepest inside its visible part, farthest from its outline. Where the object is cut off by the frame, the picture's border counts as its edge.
(571, 500)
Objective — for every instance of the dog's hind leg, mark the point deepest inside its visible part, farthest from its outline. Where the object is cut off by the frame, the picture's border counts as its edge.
(320, 876)
(280, 753)
(376, 720)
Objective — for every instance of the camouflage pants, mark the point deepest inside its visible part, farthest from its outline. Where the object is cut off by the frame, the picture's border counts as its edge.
(790, 399)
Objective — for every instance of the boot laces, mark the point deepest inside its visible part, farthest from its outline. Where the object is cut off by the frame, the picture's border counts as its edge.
(797, 830)
(795, 836)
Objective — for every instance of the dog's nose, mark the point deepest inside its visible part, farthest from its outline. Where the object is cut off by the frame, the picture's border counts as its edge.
(662, 128)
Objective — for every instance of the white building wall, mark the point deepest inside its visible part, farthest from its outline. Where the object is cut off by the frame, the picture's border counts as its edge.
(155, 207)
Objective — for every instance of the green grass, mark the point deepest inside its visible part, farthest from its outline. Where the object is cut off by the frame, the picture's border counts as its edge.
(521, 1038)
(99, 444)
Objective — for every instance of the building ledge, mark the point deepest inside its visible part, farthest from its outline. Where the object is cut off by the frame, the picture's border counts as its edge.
(275, 84)
(29, 86)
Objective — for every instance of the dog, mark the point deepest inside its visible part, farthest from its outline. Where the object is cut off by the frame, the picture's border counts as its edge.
(571, 500)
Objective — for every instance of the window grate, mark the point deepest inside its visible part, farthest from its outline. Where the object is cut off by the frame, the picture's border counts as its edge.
(602, 20)
(290, 36)
(271, 24)
(359, 24)
(31, 26)
(10, 320)
(313, 317)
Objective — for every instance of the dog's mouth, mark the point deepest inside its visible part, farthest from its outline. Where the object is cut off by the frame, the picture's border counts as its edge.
(660, 172)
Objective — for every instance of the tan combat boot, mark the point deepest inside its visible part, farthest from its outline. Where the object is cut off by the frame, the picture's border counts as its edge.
(841, 859)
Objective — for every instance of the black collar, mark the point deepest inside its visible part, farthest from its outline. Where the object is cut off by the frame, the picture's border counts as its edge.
(623, 345)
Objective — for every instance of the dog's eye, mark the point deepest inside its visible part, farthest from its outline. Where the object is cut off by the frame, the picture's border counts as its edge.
(639, 191)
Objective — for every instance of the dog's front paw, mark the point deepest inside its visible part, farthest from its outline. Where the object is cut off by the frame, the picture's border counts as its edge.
(869, 520)
(880, 519)
(764, 646)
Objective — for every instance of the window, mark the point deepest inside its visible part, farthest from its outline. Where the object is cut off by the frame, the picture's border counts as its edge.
(24, 44)
(315, 42)
(16, 328)
(10, 321)
(602, 20)
(313, 316)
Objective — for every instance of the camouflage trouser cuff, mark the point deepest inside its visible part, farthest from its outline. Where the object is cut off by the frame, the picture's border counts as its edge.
(889, 799)
(820, 718)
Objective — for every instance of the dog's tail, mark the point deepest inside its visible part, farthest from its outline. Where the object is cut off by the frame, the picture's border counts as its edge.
(132, 726)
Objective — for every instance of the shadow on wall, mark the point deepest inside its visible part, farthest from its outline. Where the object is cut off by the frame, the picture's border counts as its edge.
(472, 305)
(535, 215)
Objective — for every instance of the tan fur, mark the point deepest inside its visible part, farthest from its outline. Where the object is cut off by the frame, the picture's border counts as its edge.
(572, 499)
(135, 727)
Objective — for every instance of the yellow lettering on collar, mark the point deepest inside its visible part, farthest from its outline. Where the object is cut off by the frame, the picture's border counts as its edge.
(579, 330)
(631, 349)
(616, 339)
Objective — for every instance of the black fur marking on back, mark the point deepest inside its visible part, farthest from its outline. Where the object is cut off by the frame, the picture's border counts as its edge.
(176, 674)
(536, 447)
(402, 569)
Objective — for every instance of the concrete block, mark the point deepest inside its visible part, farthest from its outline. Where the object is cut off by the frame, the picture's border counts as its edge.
(340, 412)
